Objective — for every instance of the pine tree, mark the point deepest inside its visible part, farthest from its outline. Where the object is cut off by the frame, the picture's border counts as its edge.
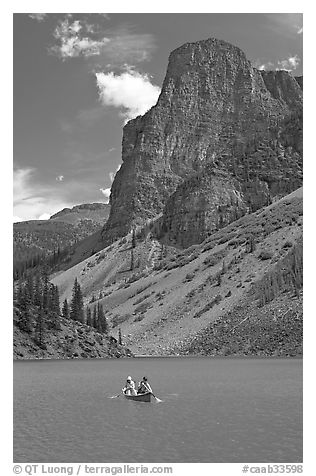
(102, 322)
(65, 310)
(76, 307)
(120, 337)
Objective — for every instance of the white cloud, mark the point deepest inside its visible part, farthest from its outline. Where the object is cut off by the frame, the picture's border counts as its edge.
(60, 178)
(265, 66)
(106, 192)
(70, 40)
(38, 16)
(290, 63)
(131, 91)
(300, 31)
(88, 39)
(44, 216)
(32, 200)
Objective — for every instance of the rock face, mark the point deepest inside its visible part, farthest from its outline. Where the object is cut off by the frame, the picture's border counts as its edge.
(216, 144)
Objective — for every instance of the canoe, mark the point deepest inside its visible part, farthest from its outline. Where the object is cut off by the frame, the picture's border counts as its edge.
(142, 397)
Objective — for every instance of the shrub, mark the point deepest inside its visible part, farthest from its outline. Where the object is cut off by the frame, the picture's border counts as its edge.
(264, 255)
(188, 277)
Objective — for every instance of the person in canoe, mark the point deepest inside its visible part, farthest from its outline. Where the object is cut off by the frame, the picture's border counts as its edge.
(129, 388)
(143, 386)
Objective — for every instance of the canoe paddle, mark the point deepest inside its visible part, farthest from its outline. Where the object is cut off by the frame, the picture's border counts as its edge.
(115, 396)
(157, 399)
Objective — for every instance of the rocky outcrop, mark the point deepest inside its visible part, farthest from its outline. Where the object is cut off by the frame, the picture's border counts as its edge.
(215, 113)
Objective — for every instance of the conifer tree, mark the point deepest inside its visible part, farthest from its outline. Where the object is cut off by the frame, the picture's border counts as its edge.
(101, 319)
(65, 310)
(76, 307)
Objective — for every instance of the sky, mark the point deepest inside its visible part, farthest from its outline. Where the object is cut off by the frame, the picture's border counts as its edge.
(78, 78)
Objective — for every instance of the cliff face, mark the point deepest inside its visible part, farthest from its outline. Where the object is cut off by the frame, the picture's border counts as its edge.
(215, 113)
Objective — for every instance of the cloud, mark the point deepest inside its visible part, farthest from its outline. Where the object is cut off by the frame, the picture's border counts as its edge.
(287, 23)
(73, 39)
(44, 216)
(106, 192)
(60, 178)
(290, 63)
(31, 199)
(131, 91)
(300, 30)
(124, 47)
(85, 37)
(265, 66)
(38, 16)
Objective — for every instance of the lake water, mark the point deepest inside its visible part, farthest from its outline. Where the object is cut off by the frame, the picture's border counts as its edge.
(213, 411)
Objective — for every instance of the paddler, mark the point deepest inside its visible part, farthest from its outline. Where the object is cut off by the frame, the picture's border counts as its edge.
(143, 386)
(129, 388)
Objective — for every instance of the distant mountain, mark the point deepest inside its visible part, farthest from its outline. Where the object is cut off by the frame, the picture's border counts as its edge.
(96, 212)
(35, 239)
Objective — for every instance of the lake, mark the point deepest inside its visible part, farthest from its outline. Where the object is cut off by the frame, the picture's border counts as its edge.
(213, 410)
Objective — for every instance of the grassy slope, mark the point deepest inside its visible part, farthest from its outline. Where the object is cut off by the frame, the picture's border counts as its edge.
(163, 310)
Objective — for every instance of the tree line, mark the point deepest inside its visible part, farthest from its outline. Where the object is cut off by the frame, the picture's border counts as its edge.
(36, 308)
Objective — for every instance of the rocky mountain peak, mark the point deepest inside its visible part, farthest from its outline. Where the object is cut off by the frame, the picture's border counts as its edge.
(214, 110)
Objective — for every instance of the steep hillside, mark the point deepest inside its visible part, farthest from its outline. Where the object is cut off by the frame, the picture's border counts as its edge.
(248, 272)
(216, 115)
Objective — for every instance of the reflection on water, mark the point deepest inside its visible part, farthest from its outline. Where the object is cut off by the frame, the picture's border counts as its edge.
(213, 410)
